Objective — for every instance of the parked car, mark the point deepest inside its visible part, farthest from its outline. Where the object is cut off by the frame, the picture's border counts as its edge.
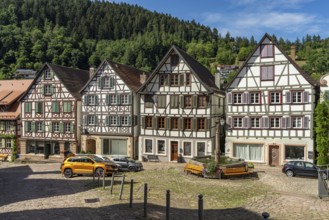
(302, 168)
(79, 165)
(127, 164)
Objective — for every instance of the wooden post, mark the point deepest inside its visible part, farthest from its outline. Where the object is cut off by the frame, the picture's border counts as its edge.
(122, 183)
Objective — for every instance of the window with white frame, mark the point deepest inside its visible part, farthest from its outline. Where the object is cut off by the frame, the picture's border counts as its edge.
(294, 152)
(106, 81)
(253, 152)
(255, 122)
(124, 99)
(201, 148)
(187, 149)
(174, 79)
(91, 120)
(237, 122)
(113, 120)
(296, 96)
(148, 146)
(113, 99)
(39, 126)
(161, 147)
(124, 120)
(275, 97)
(254, 97)
(237, 98)
(297, 122)
(48, 89)
(55, 126)
(67, 127)
(47, 74)
(275, 122)
(91, 100)
(8, 143)
(8, 125)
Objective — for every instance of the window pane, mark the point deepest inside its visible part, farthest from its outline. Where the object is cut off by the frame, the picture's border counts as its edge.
(201, 147)
(294, 152)
(148, 146)
(161, 147)
(187, 149)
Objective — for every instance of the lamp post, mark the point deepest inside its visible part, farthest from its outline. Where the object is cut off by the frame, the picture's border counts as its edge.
(218, 129)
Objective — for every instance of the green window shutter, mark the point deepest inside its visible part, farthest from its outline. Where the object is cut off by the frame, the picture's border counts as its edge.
(65, 107)
(61, 127)
(37, 110)
(85, 99)
(26, 126)
(55, 107)
(111, 82)
(100, 82)
(208, 123)
(168, 123)
(194, 124)
(194, 101)
(3, 141)
(53, 89)
(155, 123)
(84, 121)
(181, 79)
(33, 126)
(180, 124)
(118, 96)
(129, 120)
(167, 80)
(43, 89)
(51, 74)
(96, 120)
(28, 107)
(107, 99)
(129, 99)
(72, 127)
(107, 120)
(96, 99)
(118, 120)
(43, 126)
(2, 125)
(182, 104)
(12, 126)
(143, 122)
(50, 127)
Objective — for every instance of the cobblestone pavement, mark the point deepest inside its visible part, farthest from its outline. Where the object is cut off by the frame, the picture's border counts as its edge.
(38, 191)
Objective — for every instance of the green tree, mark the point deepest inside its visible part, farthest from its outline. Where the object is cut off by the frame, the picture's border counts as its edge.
(321, 130)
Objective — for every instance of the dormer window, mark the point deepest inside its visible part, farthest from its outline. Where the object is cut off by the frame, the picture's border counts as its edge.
(266, 51)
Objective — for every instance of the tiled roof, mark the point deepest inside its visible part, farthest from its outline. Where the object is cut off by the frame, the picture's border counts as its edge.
(8, 97)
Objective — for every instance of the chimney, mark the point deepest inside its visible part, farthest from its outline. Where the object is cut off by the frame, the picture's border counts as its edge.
(218, 77)
(293, 52)
(142, 78)
(91, 71)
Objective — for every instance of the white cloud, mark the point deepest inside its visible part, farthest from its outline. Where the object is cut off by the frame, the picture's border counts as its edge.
(212, 17)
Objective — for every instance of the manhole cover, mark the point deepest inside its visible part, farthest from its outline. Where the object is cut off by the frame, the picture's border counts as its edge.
(91, 200)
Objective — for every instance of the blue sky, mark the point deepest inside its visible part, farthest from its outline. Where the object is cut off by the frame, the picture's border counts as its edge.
(288, 19)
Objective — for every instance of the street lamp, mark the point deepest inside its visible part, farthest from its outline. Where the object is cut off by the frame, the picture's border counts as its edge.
(218, 129)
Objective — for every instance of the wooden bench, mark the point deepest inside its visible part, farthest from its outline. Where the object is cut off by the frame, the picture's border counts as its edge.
(153, 158)
(3, 157)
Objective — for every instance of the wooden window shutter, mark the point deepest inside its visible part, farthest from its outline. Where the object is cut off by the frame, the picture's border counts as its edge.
(84, 120)
(107, 99)
(194, 101)
(129, 120)
(265, 122)
(167, 80)
(245, 98)
(195, 124)
(208, 123)
(168, 123)
(3, 142)
(143, 122)
(182, 103)
(229, 98)
(246, 122)
(96, 100)
(118, 120)
(42, 89)
(306, 97)
(111, 82)
(288, 125)
(42, 126)
(107, 120)
(181, 79)
(306, 122)
(288, 97)
(50, 127)
(72, 127)
(229, 122)
(65, 105)
(129, 99)
(118, 97)
(100, 82)
(53, 89)
(32, 126)
(283, 122)
(155, 122)
(37, 110)
(96, 120)
(85, 100)
(61, 127)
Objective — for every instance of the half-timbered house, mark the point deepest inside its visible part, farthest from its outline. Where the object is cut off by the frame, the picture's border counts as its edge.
(180, 104)
(270, 106)
(110, 110)
(50, 111)
(10, 92)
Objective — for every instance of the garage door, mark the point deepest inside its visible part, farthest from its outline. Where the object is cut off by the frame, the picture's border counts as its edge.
(118, 147)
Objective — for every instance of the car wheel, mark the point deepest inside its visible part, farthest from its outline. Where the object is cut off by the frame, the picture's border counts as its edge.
(132, 169)
(68, 173)
(324, 176)
(99, 172)
(289, 173)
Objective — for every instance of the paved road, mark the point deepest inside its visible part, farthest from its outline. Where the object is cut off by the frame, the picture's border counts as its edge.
(38, 191)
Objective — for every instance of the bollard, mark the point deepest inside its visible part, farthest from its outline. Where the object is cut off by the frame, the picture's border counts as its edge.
(168, 205)
(131, 193)
(145, 200)
(112, 180)
(104, 180)
(200, 206)
(265, 215)
(122, 183)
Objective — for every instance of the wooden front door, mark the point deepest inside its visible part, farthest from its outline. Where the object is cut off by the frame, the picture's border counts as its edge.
(174, 150)
(274, 155)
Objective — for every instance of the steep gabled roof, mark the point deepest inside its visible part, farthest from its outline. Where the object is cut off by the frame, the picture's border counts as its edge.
(72, 79)
(130, 75)
(302, 72)
(202, 73)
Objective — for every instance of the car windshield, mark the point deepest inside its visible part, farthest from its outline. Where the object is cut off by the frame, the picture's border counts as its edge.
(97, 159)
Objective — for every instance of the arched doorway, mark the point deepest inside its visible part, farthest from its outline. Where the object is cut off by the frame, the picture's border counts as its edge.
(91, 146)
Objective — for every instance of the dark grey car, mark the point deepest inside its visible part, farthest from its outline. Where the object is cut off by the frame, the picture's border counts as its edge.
(127, 164)
(302, 168)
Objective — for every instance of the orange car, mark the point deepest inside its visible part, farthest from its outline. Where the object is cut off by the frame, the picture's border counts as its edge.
(86, 165)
